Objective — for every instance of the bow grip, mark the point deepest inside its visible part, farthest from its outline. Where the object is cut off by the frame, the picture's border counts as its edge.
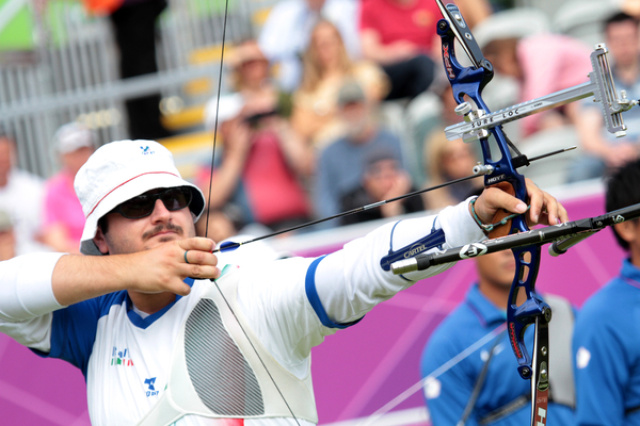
(501, 231)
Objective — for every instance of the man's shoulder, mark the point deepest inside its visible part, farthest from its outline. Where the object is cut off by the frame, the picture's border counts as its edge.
(611, 304)
(340, 144)
(613, 291)
(386, 134)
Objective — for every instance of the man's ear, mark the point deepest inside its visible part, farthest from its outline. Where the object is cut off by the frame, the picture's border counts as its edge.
(626, 230)
(101, 241)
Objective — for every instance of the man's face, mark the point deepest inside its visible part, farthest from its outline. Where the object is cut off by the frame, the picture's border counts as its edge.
(380, 177)
(356, 115)
(457, 159)
(125, 235)
(503, 54)
(623, 42)
(497, 269)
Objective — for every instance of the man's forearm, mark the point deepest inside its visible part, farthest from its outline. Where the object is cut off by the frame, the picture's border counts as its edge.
(25, 290)
(78, 278)
(363, 282)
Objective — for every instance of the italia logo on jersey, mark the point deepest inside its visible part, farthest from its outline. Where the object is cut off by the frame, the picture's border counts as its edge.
(121, 357)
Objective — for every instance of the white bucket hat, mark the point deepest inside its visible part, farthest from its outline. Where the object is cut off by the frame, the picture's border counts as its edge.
(119, 171)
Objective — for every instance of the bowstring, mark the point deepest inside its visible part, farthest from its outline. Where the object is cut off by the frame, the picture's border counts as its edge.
(206, 232)
(215, 123)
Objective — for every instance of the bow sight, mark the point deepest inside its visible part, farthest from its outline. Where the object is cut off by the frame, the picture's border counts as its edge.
(600, 86)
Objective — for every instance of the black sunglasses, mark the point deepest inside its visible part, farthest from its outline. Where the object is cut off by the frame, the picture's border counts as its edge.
(143, 205)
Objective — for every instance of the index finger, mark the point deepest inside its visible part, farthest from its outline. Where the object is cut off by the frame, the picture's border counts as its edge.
(544, 207)
(198, 243)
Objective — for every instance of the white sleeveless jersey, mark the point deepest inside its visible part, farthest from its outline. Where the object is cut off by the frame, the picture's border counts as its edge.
(127, 359)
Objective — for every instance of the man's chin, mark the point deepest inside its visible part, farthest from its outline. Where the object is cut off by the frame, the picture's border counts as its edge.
(168, 237)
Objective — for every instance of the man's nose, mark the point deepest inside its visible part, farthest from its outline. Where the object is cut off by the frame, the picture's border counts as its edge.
(160, 211)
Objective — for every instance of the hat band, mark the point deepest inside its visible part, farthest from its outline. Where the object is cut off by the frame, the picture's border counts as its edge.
(124, 183)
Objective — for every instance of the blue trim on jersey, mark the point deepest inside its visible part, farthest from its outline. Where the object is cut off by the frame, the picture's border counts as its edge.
(74, 328)
(314, 298)
(143, 323)
(393, 230)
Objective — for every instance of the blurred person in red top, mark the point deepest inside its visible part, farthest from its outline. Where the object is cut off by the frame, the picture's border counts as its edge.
(260, 166)
(400, 35)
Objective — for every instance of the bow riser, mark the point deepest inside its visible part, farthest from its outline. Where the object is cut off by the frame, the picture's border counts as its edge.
(469, 82)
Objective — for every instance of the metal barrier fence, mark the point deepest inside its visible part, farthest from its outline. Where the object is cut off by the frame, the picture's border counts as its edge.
(70, 72)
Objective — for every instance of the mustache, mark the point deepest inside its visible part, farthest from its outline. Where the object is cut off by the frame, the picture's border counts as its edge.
(161, 228)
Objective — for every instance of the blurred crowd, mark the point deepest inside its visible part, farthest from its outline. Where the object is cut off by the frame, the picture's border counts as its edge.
(336, 104)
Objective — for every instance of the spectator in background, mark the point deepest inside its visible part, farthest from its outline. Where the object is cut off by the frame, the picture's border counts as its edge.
(383, 178)
(485, 387)
(251, 77)
(342, 163)
(134, 24)
(222, 223)
(518, 45)
(326, 66)
(607, 335)
(7, 237)
(286, 33)
(260, 167)
(602, 149)
(63, 219)
(445, 161)
(134, 27)
(400, 35)
(428, 119)
(21, 196)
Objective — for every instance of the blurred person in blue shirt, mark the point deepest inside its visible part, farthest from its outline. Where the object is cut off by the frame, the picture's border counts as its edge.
(485, 388)
(606, 341)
